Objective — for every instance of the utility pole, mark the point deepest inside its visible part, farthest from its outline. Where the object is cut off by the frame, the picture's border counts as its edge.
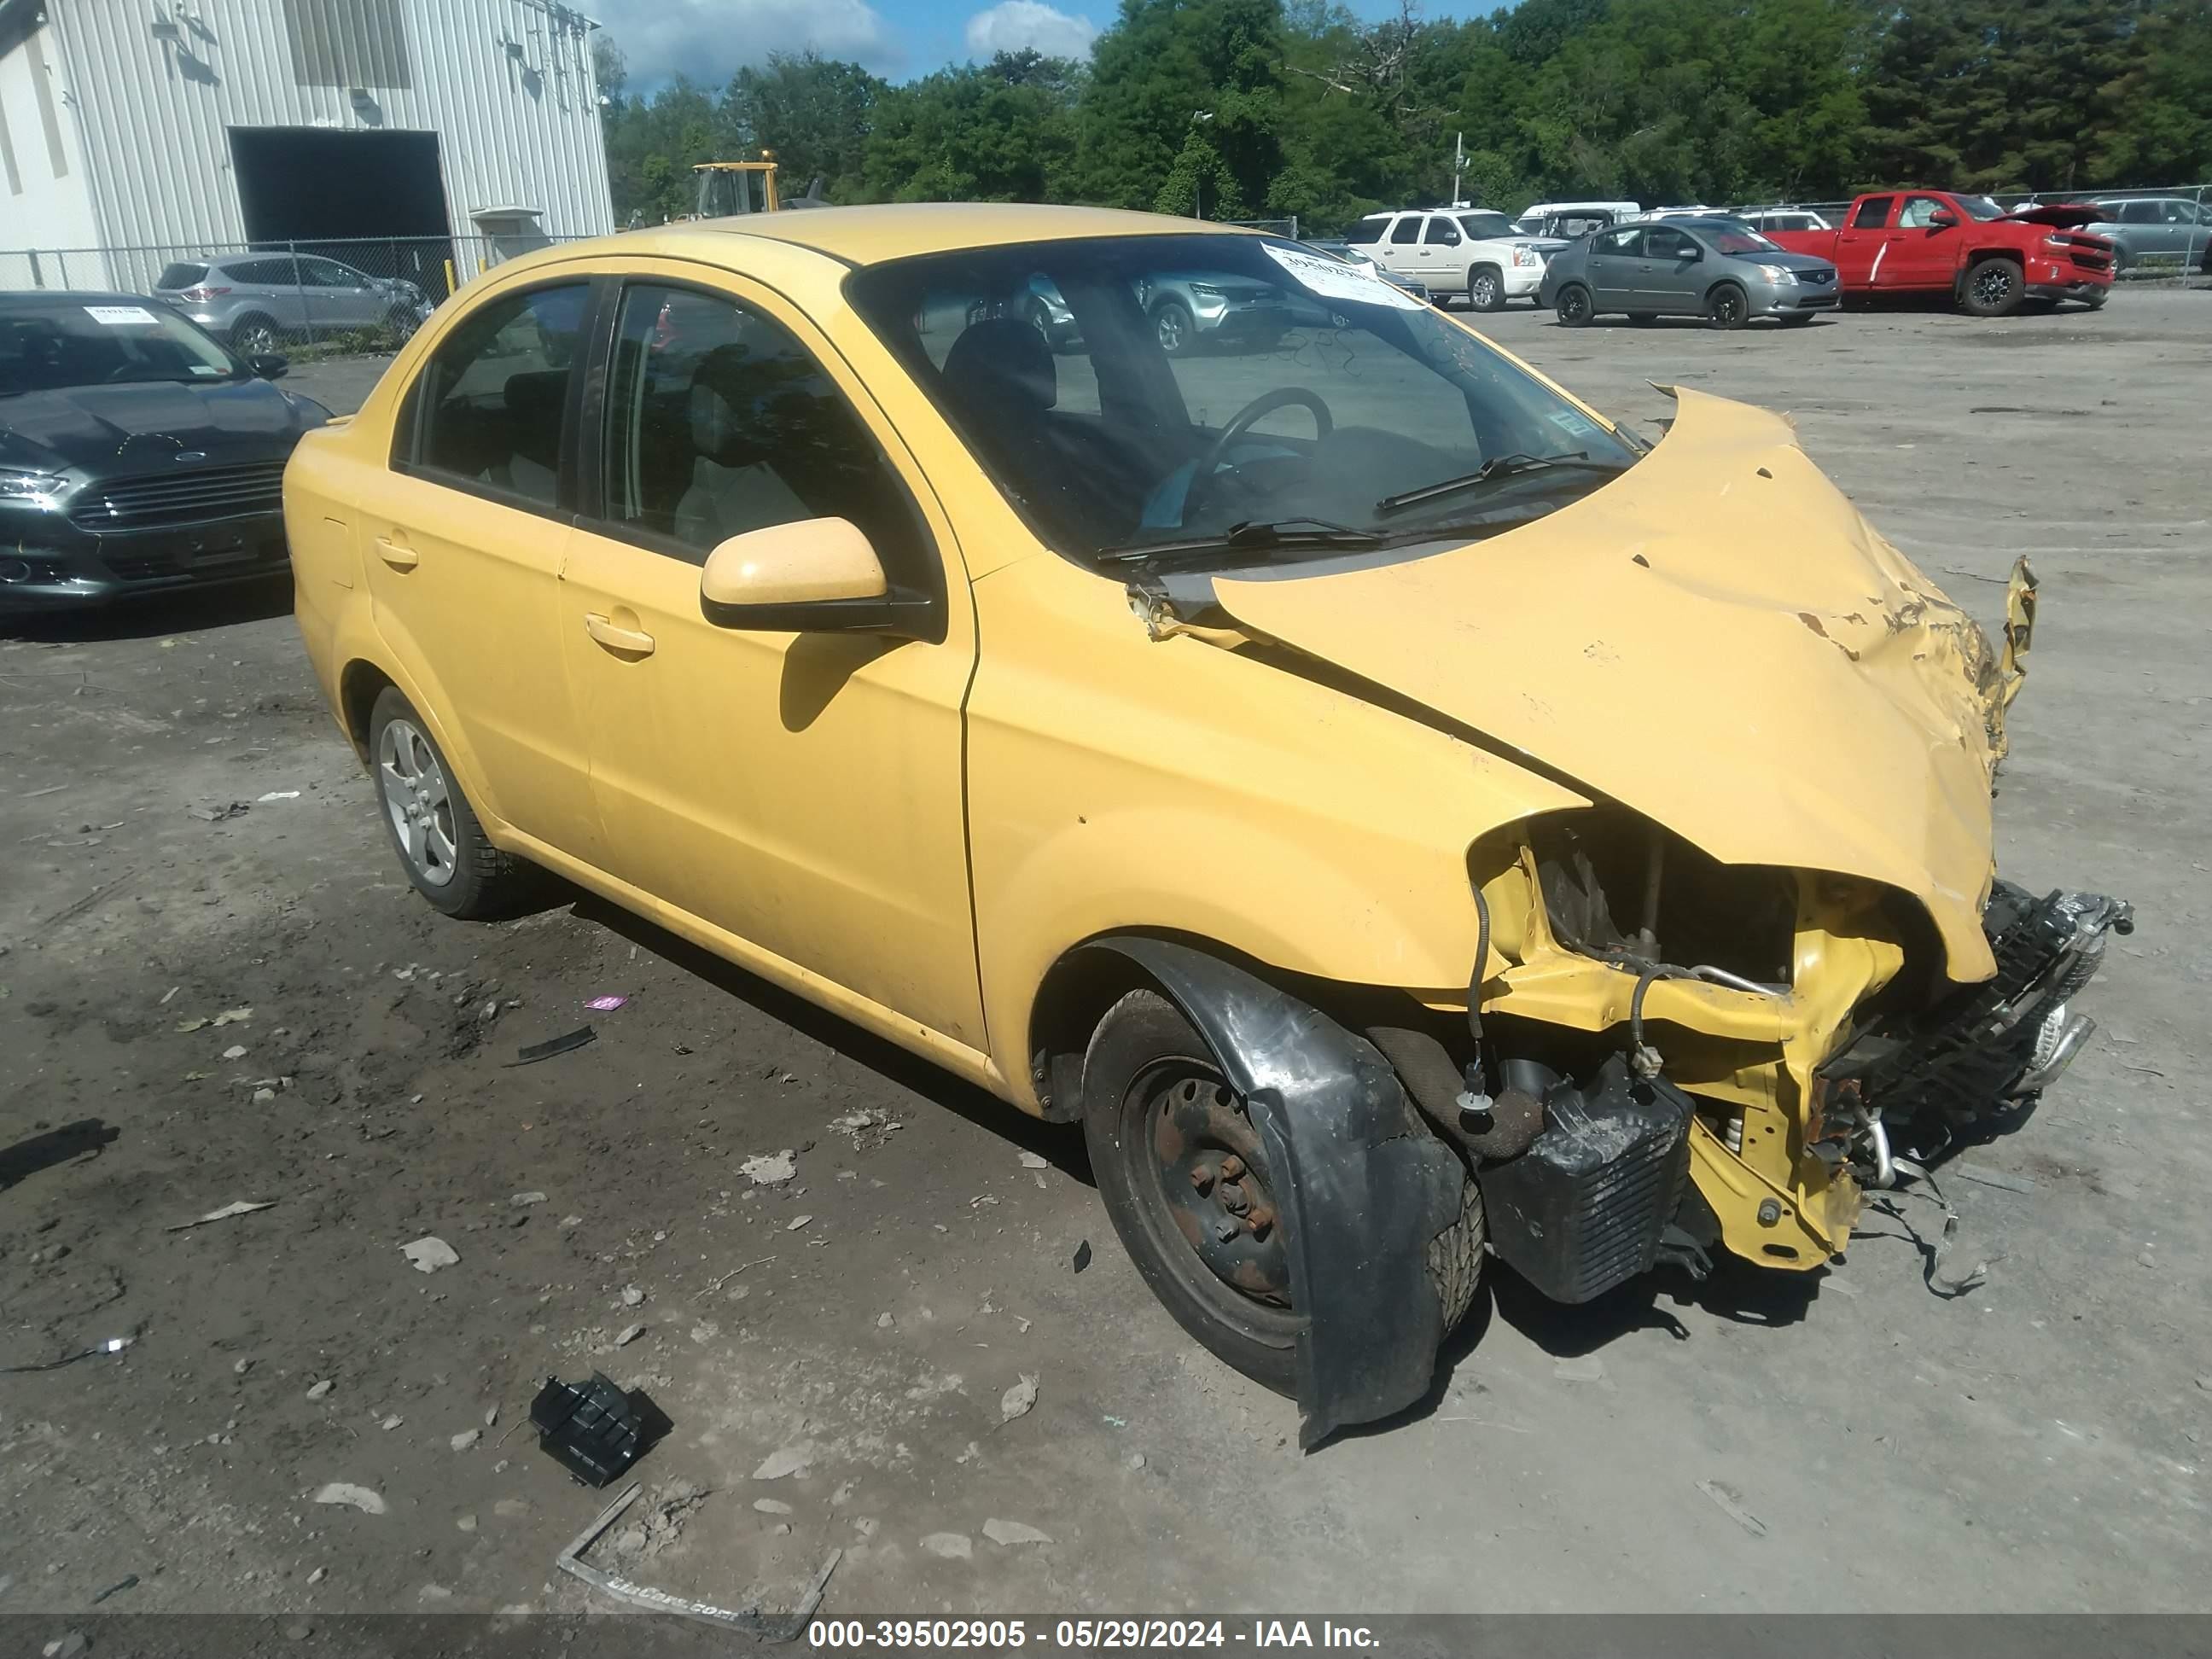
(1198, 118)
(1459, 165)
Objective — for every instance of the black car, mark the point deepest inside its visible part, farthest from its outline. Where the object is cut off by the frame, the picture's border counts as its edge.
(136, 452)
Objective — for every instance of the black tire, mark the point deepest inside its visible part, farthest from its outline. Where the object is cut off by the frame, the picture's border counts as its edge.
(1993, 288)
(1175, 328)
(1150, 1086)
(1486, 289)
(1573, 305)
(1727, 306)
(254, 334)
(460, 873)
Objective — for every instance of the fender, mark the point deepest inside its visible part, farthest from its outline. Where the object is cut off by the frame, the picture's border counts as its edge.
(1364, 1190)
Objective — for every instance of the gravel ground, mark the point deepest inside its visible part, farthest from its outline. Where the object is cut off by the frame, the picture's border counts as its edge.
(252, 1007)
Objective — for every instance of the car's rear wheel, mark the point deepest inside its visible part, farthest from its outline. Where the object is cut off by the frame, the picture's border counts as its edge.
(1174, 327)
(1193, 1197)
(1993, 288)
(1486, 289)
(1573, 305)
(402, 322)
(441, 845)
(254, 334)
(1727, 306)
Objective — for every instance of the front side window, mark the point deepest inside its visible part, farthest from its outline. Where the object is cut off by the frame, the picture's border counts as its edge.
(1664, 242)
(324, 273)
(1919, 213)
(1873, 213)
(48, 344)
(719, 422)
(1290, 392)
(1443, 231)
(489, 407)
(1484, 227)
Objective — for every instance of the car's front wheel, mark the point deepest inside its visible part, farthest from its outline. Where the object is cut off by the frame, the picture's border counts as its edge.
(1486, 289)
(1194, 1199)
(1993, 288)
(441, 845)
(1174, 327)
(1573, 305)
(1727, 306)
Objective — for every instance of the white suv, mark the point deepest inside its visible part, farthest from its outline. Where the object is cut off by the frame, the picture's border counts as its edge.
(1455, 251)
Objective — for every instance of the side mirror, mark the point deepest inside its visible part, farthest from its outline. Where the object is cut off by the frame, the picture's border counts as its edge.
(269, 365)
(812, 575)
(1691, 254)
(1943, 219)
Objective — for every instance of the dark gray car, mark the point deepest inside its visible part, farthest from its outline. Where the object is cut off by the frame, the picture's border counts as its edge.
(1720, 270)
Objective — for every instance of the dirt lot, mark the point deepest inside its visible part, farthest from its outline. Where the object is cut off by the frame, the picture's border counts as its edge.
(2037, 1444)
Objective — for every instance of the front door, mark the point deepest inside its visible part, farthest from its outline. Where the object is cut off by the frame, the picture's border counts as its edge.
(803, 792)
(1922, 253)
(1669, 277)
(461, 541)
(1438, 261)
(1614, 256)
(1862, 245)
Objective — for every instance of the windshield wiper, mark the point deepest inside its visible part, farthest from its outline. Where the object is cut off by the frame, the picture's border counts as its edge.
(1496, 467)
(1252, 534)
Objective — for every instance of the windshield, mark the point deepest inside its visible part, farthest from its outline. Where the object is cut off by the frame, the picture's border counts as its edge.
(109, 340)
(1481, 226)
(1978, 207)
(1128, 390)
(1744, 241)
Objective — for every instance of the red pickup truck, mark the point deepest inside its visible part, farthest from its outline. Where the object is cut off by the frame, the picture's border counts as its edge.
(1989, 261)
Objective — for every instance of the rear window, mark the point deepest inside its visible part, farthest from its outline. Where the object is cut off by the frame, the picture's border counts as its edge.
(181, 276)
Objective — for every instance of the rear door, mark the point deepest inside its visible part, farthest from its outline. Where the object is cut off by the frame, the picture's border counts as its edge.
(462, 541)
(1613, 255)
(338, 296)
(1399, 248)
(1863, 244)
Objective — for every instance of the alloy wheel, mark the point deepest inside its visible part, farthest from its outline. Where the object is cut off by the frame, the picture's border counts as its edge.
(419, 801)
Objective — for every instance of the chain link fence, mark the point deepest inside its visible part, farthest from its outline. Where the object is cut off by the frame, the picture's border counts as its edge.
(309, 298)
(2162, 234)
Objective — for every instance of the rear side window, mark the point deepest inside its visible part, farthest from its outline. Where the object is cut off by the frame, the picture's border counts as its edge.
(1367, 230)
(1407, 229)
(1873, 213)
(181, 276)
(488, 409)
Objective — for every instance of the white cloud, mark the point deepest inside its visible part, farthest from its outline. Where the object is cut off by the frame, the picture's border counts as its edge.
(1013, 24)
(708, 40)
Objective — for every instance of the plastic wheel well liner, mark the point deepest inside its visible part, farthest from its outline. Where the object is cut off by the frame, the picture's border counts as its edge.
(1365, 1186)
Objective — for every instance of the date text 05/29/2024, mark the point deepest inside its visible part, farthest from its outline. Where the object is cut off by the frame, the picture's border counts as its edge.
(997, 1635)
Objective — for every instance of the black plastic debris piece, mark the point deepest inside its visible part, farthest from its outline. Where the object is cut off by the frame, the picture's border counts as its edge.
(593, 1430)
(1082, 1255)
(560, 1045)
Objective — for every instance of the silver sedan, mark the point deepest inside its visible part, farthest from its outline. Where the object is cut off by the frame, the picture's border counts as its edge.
(1720, 270)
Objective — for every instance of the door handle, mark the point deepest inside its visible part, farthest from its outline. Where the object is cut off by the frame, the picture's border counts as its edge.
(631, 642)
(398, 555)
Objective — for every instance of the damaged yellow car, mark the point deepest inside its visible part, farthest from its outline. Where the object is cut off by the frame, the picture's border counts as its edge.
(1188, 686)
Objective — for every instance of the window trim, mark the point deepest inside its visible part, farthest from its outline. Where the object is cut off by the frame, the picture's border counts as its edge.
(914, 604)
(407, 427)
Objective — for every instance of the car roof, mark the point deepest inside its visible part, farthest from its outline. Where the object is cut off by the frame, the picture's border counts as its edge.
(895, 230)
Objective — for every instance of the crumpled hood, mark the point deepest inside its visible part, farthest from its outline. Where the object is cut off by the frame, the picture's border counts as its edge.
(1717, 640)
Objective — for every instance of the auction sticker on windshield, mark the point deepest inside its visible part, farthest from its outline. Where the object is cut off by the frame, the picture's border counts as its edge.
(1332, 279)
(122, 316)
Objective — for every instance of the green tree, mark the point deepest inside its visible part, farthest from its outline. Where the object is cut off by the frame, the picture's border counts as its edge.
(813, 111)
(1002, 131)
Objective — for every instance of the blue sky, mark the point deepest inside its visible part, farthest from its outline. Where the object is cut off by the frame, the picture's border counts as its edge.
(709, 39)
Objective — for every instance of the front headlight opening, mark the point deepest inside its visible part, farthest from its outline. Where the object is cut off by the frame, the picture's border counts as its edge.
(1622, 889)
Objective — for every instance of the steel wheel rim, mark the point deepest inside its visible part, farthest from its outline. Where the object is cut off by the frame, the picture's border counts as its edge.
(1169, 327)
(419, 801)
(1992, 286)
(1200, 1180)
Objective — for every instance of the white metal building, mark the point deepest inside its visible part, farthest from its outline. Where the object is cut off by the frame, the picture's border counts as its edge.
(176, 126)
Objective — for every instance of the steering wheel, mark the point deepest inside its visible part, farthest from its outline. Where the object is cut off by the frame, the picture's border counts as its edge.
(1242, 421)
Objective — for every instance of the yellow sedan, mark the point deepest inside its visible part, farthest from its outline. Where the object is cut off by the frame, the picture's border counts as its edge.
(1401, 815)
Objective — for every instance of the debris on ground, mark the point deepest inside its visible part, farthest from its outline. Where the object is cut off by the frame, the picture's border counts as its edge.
(1035, 1161)
(277, 794)
(392, 1423)
(952, 1545)
(128, 1582)
(466, 1440)
(796, 1222)
(524, 1200)
(236, 1051)
(317, 1390)
(531, 1053)
(593, 1430)
(1017, 1401)
(867, 1129)
(236, 808)
(786, 1461)
(1579, 1368)
(1082, 1255)
(665, 1513)
(605, 1005)
(1731, 1504)
(1007, 1534)
(771, 1506)
(359, 1497)
(770, 1169)
(753, 1621)
(629, 1334)
(223, 1214)
(430, 1253)
(631, 1296)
